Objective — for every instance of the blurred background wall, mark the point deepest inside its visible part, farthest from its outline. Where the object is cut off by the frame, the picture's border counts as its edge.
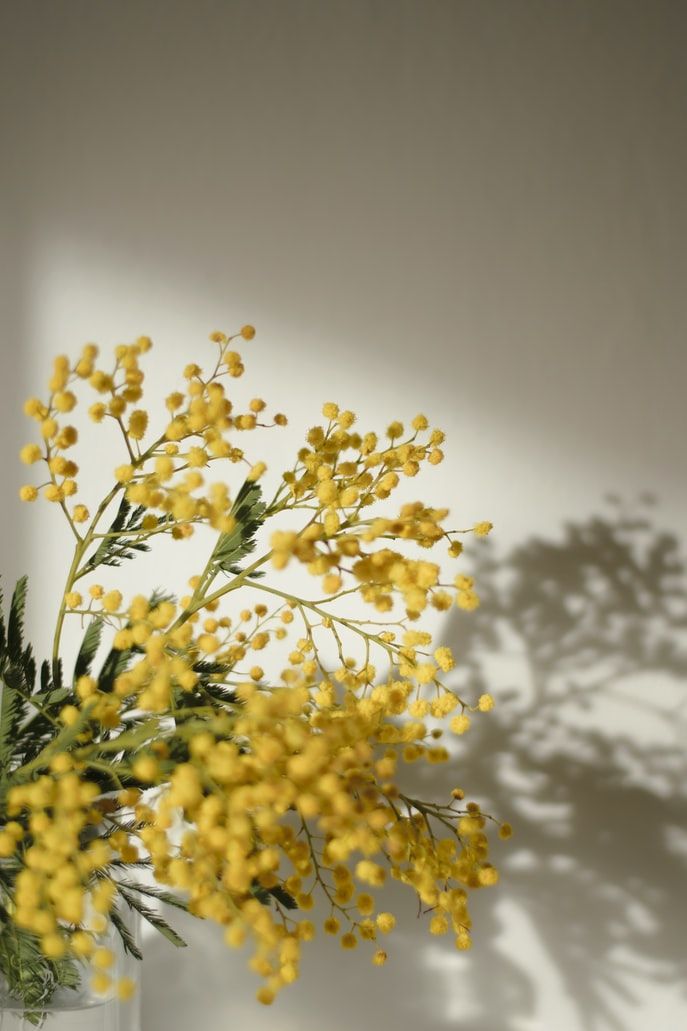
(472, 209)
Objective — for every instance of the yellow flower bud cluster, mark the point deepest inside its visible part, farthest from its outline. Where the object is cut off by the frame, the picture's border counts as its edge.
(343, 474)
(121, 388)
(56, 888)
(287, 786)
(279, 752)
(167, 476)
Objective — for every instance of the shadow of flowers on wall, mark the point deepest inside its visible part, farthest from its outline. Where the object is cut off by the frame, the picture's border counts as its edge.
(583, 642)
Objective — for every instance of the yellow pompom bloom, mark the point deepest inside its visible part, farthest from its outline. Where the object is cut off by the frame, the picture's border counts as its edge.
(86, 687)
(332, 583)
(124, 473)
(82, 944)
(112, 601)
(80, 514)
(97, 412)
(8, 845)
(386, 922)
(53, 493)
(265, 996)
(138, 423)
(247, 332)
(482, 529)
(467, 600)
(67, 437)
(53, 946)
(69, 715)
(438, 924)
(505, 831)
(327, 492)
(485, 703)
(365, 904)
(28, 493)
(101, 381)
(30, 453)
(73, 599)
(101, 983)
(444, 659)
(348, 940)
(126, 989)
(34, 408)
(459, 724)
(379, 958)
(48, 428)
(102, 959)
(146, 769)
(64, 401)
(122, 640)
(197, 458)
(488, 876)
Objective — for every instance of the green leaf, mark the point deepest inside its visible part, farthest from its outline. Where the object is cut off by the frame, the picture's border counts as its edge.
(112, 550)
(61, 742)
(17, 676)
(89, 646)
(115, 663)
(282, 895)
(249, 512)
(160, 894)
(132, 738)
(128, 940)
(29, 975)
(15, 629)
(153, 918)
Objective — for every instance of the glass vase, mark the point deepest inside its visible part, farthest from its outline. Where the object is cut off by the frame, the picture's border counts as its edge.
(80, 1008)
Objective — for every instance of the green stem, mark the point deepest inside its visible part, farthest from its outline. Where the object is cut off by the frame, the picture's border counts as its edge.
(79, 552)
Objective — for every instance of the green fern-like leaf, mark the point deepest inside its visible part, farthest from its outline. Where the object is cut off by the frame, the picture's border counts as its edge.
(161, 894)
(151, 917)
(112, 550)
(249, 512)
(17, 678)
(89, 646)
(128, 940)
(30, 977)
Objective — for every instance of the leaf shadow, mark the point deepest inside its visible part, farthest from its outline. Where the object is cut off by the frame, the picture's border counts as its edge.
(583, 642)
(591, 633)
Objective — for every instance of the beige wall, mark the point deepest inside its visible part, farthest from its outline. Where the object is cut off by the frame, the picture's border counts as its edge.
(475, 209)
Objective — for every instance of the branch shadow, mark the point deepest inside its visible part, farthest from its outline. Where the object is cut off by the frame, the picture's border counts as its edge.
(583, 642)
(592, 629)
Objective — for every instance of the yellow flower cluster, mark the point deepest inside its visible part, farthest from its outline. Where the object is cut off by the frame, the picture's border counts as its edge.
(63, 893)
(167, 475)
(341, 474)
(122, 388)
(286, 786)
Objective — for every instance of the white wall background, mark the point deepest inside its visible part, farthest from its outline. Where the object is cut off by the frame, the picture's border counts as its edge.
(474, 209)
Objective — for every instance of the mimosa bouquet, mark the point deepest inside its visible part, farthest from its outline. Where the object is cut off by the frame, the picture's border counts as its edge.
(166, 764)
